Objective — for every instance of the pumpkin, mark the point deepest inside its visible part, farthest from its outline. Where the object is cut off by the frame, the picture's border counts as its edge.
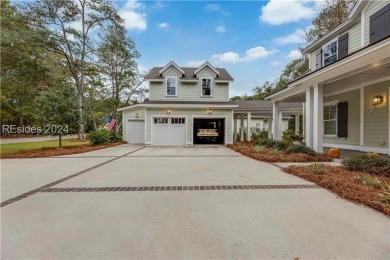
(373, 155)
(334, 152)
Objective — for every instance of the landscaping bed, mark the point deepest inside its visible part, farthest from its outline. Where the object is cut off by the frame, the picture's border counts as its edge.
(366, 188)
(275, 152)
(56, 151)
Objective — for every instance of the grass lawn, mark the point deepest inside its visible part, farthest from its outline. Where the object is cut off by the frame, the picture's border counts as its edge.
(18, 147)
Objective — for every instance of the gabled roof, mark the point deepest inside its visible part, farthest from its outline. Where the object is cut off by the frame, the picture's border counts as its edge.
(206, 64)
(171, 63)
(188, 75)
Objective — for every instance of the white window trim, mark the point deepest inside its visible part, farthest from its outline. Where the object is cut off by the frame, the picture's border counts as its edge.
(211, 87)
(166, 87)
(331, 103)
(337, 50)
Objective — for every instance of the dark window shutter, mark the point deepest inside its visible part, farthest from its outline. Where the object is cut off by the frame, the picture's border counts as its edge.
(343, 46)
(318, 59)
(380, 24)
(342, 119)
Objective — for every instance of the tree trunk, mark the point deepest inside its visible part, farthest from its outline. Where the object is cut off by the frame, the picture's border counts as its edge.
(60, 140)
(93, 116)
(81, 122)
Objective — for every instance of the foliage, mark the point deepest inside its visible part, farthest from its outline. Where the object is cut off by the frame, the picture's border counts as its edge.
(369, 181)
(258, 148)
(266, 142)
(316, 168)
(115, 137)
(275, 151)
(367, 163)
(99, 137)
(256, 136)
(290, 135)
(281, 145)
(298, 148)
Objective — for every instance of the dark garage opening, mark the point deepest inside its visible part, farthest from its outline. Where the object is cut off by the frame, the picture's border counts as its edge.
(209, 131)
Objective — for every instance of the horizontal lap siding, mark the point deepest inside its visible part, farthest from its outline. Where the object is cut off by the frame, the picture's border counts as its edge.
(189, 91)
(354, 38)
(372, 8)
(376, 118)
(312, 64)
(189, 113)
(353, 99)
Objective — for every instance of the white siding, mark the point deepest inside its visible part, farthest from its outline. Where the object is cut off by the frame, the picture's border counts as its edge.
(131, 114)
(354, 38)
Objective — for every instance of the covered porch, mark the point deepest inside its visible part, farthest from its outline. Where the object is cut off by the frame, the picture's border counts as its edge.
(346, 103)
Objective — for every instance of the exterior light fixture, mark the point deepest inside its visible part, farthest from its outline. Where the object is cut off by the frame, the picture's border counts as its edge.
(136, 115)
(377, 100)
(209, 111)
(169, 111)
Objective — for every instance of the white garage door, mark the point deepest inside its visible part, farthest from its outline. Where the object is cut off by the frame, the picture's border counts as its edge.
(169, 131)
(135, 132)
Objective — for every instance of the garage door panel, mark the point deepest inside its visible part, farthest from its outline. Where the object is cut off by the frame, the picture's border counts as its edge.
(135, 132)
(168, 131)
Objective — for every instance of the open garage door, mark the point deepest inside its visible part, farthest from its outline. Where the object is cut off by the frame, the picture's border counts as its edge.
(209, 131)
(169, 131)
(135, 132)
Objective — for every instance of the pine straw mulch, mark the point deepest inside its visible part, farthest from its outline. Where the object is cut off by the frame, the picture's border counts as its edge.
(56, 151)
(267, 156)
(343, 182)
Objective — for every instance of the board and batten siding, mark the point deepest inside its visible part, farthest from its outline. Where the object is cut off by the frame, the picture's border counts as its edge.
(189, 113)
(189, 91)
(353, 99)
(376, 118)
(373, 7)
(131, 114)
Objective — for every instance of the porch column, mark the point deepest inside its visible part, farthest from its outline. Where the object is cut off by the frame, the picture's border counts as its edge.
(297, 123)
(269, 120)
(248, 126)
(235, 128)
(303, 119)
(280, 127)
(318, 118)
(242, 128)
(388, 141)
(309, 118)
(275, 120)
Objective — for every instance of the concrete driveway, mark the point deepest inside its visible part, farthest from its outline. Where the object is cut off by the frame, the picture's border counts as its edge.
(201, 202)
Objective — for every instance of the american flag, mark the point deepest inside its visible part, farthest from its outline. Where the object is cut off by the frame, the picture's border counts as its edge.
(110, 124)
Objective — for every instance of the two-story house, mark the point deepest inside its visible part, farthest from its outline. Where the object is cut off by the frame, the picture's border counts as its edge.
(186, 106)
(346, 90)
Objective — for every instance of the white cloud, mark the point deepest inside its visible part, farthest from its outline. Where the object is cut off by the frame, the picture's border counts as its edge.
(295, 54)
(163, 25)
(134, 19)
(250, 55)
(220, 29)
(275, 63)
(215, 8)
(298, 37)
(195, 64)
(277, 12)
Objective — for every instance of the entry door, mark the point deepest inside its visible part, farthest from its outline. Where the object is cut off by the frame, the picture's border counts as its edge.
(168, 131)
(135, 132)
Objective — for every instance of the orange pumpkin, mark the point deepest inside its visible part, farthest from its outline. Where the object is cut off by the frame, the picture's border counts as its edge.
(334, 152)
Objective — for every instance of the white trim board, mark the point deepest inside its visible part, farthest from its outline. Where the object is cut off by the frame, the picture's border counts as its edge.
(358, 148)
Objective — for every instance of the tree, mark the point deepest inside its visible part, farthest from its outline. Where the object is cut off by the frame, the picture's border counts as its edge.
(116, 61)
(66, 30)
(330, 17)
(57, 107)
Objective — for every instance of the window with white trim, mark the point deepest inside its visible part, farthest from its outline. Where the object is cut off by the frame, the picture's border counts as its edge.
(206, 87)
(330, 120)
(258, 127)
(178, 120)
(329, 51)
(171, 86)
(161, 120)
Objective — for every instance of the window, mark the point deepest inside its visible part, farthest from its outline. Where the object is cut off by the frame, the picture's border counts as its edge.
(178, 121)
(171, 86)
(206, 87)
(161, 120)
(258, 127)
(330, 52)
(330, 120)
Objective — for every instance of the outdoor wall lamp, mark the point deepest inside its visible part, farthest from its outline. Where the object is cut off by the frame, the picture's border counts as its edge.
(209, 111)
(136, 115)
(169, 111)
(377, 100)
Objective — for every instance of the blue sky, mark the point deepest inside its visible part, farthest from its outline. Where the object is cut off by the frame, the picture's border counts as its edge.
(253, 40)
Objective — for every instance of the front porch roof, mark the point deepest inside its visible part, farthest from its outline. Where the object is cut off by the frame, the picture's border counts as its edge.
(265, 107)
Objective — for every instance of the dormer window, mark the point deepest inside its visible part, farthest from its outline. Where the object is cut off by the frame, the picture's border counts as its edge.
(171, 86)
(206, 86)
(330, 52)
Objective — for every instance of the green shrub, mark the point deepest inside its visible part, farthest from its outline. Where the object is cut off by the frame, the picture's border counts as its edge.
(299, 148)
(316, 168)
(115, 137)
(266, 142)
(258, 148)
(256, 136)
(369, 181)
(275, 151)
(367, 163)
(281, 145)
(99, 137)
(290, 135)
